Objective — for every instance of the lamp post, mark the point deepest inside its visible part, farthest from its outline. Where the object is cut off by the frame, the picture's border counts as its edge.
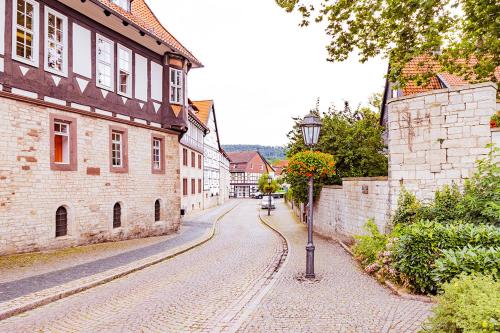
(269, 181)
(311, 127)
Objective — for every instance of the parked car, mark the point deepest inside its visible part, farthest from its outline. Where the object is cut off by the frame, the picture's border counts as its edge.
(264, 203)
(257, 195)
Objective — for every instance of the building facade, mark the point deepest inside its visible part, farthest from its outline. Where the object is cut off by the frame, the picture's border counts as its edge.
(191, 157)
(246, 168)
(216, 163)
(92, 104)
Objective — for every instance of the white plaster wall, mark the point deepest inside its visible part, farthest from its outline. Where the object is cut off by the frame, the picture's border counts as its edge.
(82, 51)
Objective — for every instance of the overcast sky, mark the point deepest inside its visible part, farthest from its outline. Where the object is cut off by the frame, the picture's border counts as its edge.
(261, 68)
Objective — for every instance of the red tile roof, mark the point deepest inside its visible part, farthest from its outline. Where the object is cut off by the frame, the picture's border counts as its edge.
(204, 108)
(141, 15)
(240, 162)
(425, 64)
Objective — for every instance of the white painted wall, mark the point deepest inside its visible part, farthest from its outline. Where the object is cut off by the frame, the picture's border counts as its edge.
(141, 78)
(2, 27)
(82, 51)
(156, 81)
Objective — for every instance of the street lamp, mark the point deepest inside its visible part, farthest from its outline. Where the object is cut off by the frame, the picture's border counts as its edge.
(269, 181)
(311, 127)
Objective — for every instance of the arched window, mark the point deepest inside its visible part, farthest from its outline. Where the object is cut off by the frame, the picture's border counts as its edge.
(61, 222)
(157, 211)
(117, 215)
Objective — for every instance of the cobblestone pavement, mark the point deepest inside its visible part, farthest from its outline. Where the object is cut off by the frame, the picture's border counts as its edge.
(202, 290)
(102, 257)
(343, 299)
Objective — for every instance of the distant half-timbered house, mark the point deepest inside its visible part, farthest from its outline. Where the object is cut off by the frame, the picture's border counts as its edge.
(92, 105)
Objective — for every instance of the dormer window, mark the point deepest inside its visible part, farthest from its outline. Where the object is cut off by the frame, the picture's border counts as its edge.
(123, 4)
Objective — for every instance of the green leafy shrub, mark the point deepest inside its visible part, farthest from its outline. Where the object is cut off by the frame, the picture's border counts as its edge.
(420, 245)
(444, 207)
(368, 246)
(469, 304)
(408, 209)
(467, 260)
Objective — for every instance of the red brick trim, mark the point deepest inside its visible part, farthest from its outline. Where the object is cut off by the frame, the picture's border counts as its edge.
(73, 143)
(162, 154)
(124, 132)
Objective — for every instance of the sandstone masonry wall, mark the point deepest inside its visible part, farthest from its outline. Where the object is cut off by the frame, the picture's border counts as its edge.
(344, 210)
(30, 192)
(435, 138)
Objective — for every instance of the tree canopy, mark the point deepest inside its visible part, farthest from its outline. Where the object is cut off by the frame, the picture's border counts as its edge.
(463, 36)
(354, 137)
(265, 187)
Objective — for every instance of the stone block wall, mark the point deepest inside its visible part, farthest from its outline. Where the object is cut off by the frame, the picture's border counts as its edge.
(435, 138)
(30, 192)
(344, 210)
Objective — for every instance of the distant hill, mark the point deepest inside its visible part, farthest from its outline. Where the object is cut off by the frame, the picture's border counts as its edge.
(271, 153)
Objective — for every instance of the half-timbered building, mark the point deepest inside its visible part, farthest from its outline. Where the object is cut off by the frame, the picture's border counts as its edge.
(92, 105)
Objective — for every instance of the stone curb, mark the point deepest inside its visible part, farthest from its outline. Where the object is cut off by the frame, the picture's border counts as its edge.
(34, 300)
(401, 293)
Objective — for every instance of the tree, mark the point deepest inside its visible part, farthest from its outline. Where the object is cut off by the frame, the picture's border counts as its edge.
(463, 36)
(304, 165)
(353, 136)
(265, 187)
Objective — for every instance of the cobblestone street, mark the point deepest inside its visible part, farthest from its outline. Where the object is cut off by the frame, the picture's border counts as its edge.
(234, 283)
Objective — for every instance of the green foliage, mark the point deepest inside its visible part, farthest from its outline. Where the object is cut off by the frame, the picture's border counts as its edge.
(308, 164)
(468, 260)
(265, 187)
(481, 198)
(354, 137)
(408, 208)
(368, 246)
(469, 304)
(400, 30)
(421, 244)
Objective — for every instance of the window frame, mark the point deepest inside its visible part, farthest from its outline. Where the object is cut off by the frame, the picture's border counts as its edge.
(179, 74)
(157, 210)
(118, 224)
(193, 186)
(199, 186)
(35, 47)
(65, 45)
(111, 64)
(130, 71)
(58, 235)
(184, 157)
(185, 184)
(154, 169)
(193, 159)
(72, 143)
(117, 3)
(124, 149)
(200, 165)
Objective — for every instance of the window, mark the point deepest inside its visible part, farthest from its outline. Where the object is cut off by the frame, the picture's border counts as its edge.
(157, 154)
(185, 187)
(199, 161)
(56, 41)
(63, 143)
(124, 71)
(61, 222)
(176, 90)
(25, 32)
(118, 149)
(184, 157)
(193, 186)
(157, 210)
(193, 159)
(105, 61)
(199, 186)
(117, 215)
(123, 4)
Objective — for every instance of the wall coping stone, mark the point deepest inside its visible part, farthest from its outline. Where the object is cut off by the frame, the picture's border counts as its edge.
(369, 179)
(337, 187)
(495, 129)
(445, 90)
